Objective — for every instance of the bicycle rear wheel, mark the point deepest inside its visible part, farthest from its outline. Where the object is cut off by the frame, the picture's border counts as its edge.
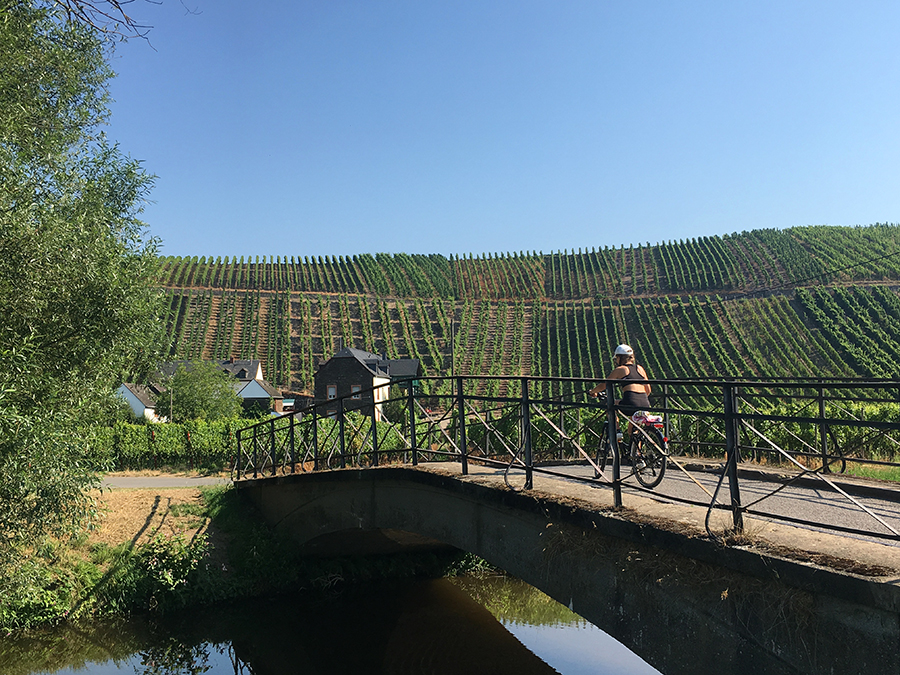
(837, 462)
(648, 459)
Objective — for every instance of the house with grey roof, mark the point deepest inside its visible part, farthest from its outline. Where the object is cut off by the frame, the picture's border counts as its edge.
(255, 391)
(249, 384)
(355, 373)
(141, 398)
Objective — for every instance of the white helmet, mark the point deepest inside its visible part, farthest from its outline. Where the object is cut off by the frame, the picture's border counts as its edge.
(624, 350)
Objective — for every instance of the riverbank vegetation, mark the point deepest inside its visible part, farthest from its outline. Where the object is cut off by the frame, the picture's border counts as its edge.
(76, 271)
(220, 551)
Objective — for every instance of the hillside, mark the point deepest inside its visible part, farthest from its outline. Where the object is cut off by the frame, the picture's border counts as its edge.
(808, 301)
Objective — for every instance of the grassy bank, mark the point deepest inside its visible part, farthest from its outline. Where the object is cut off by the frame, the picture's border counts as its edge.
(220, 550)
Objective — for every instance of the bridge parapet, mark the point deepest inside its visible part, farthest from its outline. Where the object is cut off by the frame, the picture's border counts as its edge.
(807, 429)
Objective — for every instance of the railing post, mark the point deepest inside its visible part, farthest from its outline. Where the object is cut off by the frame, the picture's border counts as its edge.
(526, 436)
(461, 414)
(665, 404)
(374, 432)
(315, 427)
(410, 397)
(614, 446)
(562, 428)
(489, 433)
(291, 441)
(823, 430)
(272, 451)
(255, 454)
(238, 462)
(579, 427)
(732, 450)
(341, 429)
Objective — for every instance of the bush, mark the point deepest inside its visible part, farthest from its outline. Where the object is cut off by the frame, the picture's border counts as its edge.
(197, 445)
(158, 575)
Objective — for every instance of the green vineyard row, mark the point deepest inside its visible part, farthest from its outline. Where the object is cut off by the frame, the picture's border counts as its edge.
(744, 262)
(811, 332)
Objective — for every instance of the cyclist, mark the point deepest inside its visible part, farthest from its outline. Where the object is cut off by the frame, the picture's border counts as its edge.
(635, 388)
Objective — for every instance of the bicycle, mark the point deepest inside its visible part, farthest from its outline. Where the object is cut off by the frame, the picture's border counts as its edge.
(648, 449)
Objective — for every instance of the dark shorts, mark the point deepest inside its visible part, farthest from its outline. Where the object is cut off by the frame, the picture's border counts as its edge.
(632, 401)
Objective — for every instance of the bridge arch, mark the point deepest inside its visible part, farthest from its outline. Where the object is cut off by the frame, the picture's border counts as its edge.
(681, 614)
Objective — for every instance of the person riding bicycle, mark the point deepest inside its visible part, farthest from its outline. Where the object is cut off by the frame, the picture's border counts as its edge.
(635, 388)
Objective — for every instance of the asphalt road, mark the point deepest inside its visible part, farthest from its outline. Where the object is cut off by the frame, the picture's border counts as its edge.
(818, 503)
(161, 481)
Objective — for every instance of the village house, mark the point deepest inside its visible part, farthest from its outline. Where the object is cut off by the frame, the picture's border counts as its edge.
(141, 398)
(249, 384)
(354, 373)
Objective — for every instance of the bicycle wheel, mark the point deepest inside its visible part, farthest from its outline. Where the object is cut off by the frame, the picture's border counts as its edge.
(836, 458)
(648, 459)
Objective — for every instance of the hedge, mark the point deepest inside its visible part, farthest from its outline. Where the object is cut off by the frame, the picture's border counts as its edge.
(192, 445)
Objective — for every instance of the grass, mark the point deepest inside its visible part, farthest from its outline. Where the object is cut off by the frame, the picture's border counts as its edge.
(193, 515)
(891, 473)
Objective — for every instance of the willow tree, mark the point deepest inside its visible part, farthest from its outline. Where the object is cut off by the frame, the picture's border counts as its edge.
(76, 271)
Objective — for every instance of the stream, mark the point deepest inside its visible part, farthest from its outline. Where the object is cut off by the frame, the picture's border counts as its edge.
(459, 626)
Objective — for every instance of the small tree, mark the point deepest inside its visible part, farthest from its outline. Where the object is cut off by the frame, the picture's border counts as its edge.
(77, 275)
(199, 391)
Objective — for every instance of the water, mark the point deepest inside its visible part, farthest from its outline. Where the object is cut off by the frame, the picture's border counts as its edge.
(453, 627)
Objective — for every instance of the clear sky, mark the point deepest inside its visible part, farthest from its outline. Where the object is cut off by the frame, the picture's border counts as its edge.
(337, 127)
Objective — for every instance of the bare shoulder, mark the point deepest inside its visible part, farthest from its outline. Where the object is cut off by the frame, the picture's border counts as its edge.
(618, 373)
(643, 372)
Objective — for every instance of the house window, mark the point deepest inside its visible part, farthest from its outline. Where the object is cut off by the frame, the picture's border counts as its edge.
(355, 389)
(332, 391)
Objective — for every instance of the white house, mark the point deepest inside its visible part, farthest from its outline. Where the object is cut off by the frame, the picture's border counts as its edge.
(250, 386)
(258, 392)
(140, 398)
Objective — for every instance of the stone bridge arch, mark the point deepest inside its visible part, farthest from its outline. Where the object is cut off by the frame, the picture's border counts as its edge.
(663, 595)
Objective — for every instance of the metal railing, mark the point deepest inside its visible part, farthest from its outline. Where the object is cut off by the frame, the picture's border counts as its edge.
(803, 429)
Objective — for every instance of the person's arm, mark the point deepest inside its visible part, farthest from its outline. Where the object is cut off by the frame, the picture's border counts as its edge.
(616, 374)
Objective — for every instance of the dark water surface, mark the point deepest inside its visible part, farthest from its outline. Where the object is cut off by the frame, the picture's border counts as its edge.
(453, 627)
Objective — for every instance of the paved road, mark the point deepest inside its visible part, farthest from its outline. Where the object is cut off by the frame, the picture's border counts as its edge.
(161, 481)
(818, 503)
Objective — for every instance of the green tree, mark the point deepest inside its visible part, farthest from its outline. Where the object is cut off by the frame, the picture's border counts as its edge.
(199, 391)
(76, 272)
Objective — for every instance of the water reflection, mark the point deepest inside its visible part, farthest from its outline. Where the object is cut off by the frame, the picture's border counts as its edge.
(452, 627)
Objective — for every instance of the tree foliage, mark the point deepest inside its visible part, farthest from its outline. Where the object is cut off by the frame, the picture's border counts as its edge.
(199, 391)
(76, 268)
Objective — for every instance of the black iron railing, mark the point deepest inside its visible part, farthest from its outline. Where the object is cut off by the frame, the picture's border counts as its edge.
(804, 429)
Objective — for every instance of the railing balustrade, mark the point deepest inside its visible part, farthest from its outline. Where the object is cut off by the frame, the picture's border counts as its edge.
(803, 428)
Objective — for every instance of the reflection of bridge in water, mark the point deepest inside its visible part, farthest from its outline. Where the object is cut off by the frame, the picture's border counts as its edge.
(791, 570)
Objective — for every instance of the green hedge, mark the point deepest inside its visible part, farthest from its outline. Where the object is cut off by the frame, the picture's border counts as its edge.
(192, 445)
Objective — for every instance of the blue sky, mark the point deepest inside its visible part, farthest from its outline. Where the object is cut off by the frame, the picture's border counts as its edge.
(348, 126)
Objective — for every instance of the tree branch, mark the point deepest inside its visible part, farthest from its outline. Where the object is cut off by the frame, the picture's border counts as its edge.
(105, 16)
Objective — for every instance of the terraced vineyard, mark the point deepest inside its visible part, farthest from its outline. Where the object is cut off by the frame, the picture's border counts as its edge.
(809, 301)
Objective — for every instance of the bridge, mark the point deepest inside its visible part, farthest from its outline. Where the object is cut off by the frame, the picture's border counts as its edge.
(786, 565)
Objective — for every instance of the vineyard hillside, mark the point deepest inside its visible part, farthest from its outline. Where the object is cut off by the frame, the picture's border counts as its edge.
(807, 301)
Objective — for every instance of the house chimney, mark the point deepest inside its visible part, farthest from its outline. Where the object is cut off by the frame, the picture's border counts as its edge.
(340, 343)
